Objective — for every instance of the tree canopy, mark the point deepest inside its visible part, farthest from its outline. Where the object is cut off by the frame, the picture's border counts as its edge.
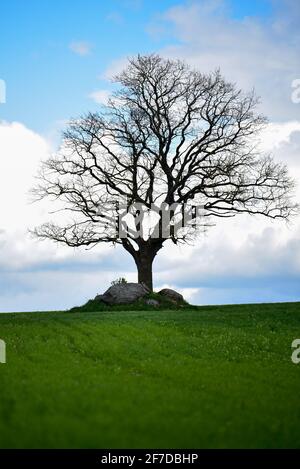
(169, 137)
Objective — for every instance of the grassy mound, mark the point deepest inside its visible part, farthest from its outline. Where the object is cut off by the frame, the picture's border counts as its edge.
(140, 305)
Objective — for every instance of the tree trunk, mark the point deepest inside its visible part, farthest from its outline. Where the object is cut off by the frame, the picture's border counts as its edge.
(144, 261)
(144, 258)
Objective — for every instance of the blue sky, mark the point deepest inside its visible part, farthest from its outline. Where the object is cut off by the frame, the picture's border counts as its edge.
(47, 82)
(56, 56)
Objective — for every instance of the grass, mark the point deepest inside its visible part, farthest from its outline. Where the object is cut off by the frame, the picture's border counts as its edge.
(210, 377)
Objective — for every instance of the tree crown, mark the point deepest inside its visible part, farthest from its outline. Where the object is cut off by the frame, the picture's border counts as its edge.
(168, 136)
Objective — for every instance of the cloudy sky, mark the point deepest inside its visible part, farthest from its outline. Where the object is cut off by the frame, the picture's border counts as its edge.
(56, 58)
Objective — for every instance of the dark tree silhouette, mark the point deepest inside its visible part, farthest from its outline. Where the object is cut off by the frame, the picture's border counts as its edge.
(169, 136)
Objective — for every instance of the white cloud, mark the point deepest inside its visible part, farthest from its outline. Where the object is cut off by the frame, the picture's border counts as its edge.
(41, 275)
(115, 67)
(233, 249)
(248, 51)
(20, 151)
(276, 134)
(81, 48)
(100, 96)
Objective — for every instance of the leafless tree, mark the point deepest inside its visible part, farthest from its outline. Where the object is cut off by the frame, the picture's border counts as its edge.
(169, 135)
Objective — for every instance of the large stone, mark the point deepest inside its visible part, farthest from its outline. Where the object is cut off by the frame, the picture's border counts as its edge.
(123, 293)
(172, 295)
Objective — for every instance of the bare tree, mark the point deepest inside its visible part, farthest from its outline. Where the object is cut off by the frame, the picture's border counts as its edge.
(169, 136)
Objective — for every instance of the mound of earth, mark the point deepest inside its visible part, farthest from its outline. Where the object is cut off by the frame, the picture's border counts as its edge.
(133, 296)
(128, 293)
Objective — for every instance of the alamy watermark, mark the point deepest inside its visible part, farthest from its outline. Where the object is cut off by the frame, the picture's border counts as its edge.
(2, 351)
(124, 219)
(296, 353)
(2, 92)
(295, 96)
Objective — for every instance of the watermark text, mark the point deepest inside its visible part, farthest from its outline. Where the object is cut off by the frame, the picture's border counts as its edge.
(295, 97)
(2, 92)
(2, 351)
(296, 353)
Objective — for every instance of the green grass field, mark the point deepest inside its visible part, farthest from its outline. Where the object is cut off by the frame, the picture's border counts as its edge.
(212, 377)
